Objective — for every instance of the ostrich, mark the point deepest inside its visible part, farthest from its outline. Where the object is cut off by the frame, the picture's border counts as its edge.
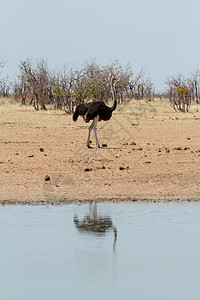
(95, 111)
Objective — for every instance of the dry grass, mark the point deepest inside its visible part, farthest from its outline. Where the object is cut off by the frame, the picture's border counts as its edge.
(158, 108)
(5, 101)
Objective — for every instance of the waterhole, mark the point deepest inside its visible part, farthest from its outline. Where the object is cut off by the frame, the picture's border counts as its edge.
(100, 251)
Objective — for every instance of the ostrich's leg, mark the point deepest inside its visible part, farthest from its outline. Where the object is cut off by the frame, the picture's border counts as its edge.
(94, 129)
(89, 132)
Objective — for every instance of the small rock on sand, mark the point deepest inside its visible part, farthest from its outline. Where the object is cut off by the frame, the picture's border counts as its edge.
(88, 169)
(123, 168)
(47, 178)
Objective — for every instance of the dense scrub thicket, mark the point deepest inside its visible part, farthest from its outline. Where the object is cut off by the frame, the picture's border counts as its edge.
(38, 86)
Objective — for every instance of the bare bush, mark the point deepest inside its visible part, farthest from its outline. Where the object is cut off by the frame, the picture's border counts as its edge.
(182, 92)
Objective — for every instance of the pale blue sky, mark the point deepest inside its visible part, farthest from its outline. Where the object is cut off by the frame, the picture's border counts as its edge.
(160, 36)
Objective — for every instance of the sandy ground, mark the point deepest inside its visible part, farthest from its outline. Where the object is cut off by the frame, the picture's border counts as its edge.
(150, 152)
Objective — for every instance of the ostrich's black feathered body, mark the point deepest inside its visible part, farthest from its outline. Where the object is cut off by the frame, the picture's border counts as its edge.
(81, 110)
(91, 110)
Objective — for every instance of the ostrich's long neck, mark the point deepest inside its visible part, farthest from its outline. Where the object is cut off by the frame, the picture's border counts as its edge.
(114, 97)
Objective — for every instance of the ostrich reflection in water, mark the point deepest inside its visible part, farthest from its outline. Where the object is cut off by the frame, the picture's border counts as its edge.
(94, 223)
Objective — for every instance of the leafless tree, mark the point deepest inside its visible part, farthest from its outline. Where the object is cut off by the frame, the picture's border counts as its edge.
(4, 87)
(4, 82)
(195, 83)
(34, 83)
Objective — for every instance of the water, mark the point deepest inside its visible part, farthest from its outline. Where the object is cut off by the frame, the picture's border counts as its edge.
(112, 251)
